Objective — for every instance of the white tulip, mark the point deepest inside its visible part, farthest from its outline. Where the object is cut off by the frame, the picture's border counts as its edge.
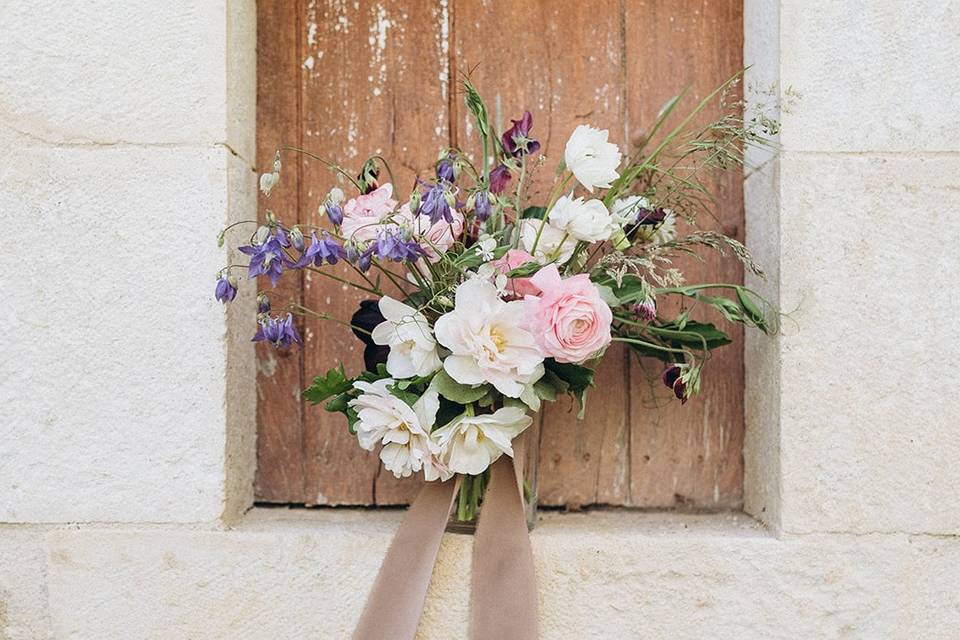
(587, 221)
(470, 444)
(404, 431)
(488, 341)
(413, 350)
(591, 158)
(554, 243)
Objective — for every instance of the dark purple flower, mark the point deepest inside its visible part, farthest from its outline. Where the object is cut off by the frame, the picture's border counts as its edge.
(335, 213)
(516, 140)
(646, 310)
(499, 178)
(320, 251)
(268, 258)
(279, 333)
(481, 205)
(364, 320)
(365, 259)
(446, 170)
(226, 289)
(650, 216)
(671, 378)
(434, 204)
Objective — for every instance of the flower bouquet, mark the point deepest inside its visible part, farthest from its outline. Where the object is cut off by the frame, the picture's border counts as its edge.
(485, 305)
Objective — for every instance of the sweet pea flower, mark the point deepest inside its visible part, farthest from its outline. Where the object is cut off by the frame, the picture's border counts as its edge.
(516, 287)
(591, 158)
(569, 319)
(363, 215)
(413, 349)
(470, 444)
(499, 178)
(586, 221)
(516, 140)
(487, 341)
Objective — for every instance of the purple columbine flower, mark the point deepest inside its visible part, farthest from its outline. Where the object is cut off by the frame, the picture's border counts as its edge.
(391, 245)
(226, 289)
(646, 310)
(516, 140)
(499, 178)
(263, 303)
(320, 251)
(279, 333)
(335, 213)
(446, 170)
(481, 205)
(434, 204)
(365, 259)
(268, 258)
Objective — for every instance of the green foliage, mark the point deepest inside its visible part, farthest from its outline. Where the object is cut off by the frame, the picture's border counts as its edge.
(577, 378)
(534, 212)
(453, 390)
(333, 383)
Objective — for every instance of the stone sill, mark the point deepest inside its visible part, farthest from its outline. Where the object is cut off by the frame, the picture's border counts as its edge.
(602, 574)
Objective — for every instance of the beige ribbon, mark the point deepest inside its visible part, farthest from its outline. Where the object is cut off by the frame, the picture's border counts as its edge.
(503, 590)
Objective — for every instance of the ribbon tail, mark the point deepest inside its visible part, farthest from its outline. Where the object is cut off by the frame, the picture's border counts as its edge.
(503, 594)
(396, 600)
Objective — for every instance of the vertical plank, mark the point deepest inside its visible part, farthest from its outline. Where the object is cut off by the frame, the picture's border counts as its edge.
(374, 80)
(279, 448)
(563, 62)
(688, 455)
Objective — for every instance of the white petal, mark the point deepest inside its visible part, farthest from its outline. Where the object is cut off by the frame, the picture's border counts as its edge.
(463, 369)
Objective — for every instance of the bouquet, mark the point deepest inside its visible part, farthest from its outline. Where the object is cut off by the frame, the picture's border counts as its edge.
(485, 305)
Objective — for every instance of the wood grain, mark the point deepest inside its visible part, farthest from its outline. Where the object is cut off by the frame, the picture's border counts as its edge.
(279, 372)
(374, 78)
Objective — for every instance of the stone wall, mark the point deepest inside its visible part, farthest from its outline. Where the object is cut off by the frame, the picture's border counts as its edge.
(126, 142)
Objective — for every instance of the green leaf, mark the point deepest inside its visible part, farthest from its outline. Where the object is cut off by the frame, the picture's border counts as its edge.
(534, 212)
(453, 390)
(333, 383)
(578, 379)
(751, 310)
(696, 335)
(525, 270)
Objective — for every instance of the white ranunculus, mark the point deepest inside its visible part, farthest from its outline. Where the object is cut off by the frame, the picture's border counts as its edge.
(591, 158)
(487, 340)
(470, 444)
(554, 244)
(404, 431)
(587, 221)
(413, 350)
(625, 210)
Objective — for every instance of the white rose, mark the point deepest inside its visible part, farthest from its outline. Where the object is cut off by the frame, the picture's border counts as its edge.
(470, 444)
(487, 341)
(587, 221)
(413, 350)
(404, 431)
(554, 243)
(592, 159)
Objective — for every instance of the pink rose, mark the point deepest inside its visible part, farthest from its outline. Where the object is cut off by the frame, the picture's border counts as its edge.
(362, 215)
(569, 320)
(516, 287)
(434, 238)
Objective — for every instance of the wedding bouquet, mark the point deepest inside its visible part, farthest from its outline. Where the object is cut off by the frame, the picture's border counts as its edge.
(485, 305)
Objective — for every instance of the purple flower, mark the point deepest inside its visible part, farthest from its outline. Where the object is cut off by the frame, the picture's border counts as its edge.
(279, 333)
(391, 245)
(650, 216)
(481, 205)
(434, 204)
(226, 289)
(335, 213)
(446, 170)
(320, 251)
(263, 303)
(516, 140)
(499, 178)
(671, 378)
(646, 310)
(268, 258)
(365, 259)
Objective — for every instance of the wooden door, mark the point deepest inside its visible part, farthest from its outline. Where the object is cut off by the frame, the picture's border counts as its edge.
(348, 79)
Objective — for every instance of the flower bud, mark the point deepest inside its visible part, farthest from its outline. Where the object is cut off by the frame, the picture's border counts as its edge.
(296, 239)
(263, 232)
(335, 213)
(276, 164)
(482, 205)
(336, 195)
(450, 198)
(268, 181)
(646, 310)
(263, 303)
(415, 200)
